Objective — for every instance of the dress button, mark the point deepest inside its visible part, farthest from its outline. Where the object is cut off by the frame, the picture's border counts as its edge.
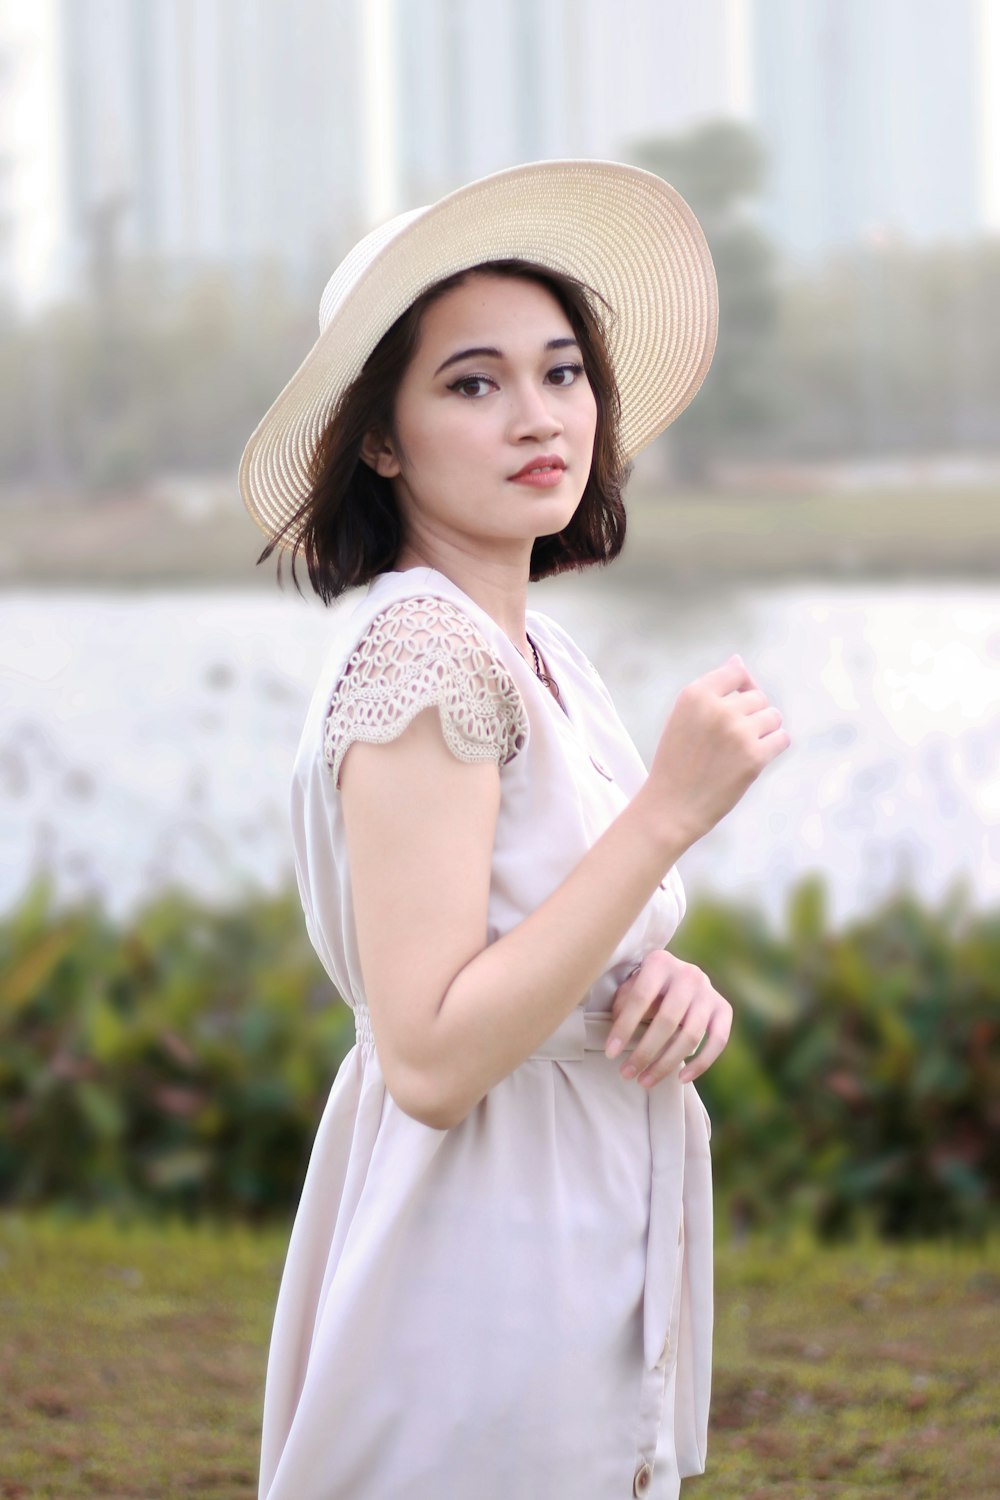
(643, 1475)
(598, 765)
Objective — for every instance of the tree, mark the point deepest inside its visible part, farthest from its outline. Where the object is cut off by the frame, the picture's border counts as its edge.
(719, 169)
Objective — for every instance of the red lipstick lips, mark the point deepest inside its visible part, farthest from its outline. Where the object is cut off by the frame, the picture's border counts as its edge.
(543, 461)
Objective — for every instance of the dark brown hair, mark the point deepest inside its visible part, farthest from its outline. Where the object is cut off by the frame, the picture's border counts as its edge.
(349, 527)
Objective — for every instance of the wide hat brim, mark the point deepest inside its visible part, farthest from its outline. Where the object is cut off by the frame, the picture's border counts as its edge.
(622, 230)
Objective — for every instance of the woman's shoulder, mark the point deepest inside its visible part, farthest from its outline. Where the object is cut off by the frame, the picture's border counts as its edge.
(430, 629)
(426, 601)
(414, 610)
(426, 618)
(417, 650)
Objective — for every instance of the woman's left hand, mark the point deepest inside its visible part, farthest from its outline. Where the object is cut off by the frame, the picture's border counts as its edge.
(681, 1006)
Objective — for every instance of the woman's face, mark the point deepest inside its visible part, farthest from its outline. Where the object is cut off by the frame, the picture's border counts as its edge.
(466, 424)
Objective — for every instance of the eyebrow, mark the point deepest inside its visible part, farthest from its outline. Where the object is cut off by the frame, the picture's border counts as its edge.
(488, 353)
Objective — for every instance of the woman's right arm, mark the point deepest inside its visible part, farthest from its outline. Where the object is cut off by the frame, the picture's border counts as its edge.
(451, 1013)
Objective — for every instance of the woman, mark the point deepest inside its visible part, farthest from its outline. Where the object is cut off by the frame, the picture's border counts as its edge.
(499, 1279)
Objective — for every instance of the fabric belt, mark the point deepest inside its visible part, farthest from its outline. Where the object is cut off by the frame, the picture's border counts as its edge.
(582, 1032)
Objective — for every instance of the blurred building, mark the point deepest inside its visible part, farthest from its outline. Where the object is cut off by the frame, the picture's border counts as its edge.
(485, 86)
(229, 132)
(215, 129)
(873, 113)
(33, 223)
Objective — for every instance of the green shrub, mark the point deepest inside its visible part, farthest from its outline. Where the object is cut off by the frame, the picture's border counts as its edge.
(180, 1064)
(183, 1062)
(862, 1076)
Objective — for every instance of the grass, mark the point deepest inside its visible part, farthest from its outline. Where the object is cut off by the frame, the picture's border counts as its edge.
(132, 1365)
(131, 1361)
(857, 1372)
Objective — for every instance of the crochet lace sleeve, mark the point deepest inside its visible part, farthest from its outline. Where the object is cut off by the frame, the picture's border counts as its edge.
(416, 653)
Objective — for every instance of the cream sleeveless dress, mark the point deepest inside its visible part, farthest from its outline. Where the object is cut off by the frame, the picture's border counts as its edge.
(520, 1306)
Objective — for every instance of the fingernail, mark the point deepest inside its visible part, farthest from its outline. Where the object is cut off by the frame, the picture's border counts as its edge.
(628, 1071)
(614, 1047)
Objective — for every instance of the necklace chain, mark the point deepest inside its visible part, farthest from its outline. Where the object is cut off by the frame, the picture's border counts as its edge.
(542, 676)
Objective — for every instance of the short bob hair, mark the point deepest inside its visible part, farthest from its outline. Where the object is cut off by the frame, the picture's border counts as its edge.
(349, 526)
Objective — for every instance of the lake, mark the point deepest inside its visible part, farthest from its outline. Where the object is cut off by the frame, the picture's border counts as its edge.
(147, 738)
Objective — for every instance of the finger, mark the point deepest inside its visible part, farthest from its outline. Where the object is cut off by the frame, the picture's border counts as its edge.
(669, 1061)
(670, 1005)
(772, 743)
(710, 1050)
(716, 1019)
(621, 994)
(766, 719)
(659, 972)
(644, 1056)
(732, 676)
(716, 1040)
(634, 998)
(667, 1043)
(752, 701)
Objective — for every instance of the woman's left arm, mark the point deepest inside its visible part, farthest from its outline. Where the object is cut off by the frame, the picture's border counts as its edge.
(682, 1007)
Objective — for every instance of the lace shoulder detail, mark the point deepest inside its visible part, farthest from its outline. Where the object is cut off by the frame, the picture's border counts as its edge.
(417, 652)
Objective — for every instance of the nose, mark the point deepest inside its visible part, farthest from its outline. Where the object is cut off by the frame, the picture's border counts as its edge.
(533, 413)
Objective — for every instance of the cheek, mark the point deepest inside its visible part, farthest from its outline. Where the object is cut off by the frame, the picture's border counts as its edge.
(420, 442)
(588, 417)
(440, 435)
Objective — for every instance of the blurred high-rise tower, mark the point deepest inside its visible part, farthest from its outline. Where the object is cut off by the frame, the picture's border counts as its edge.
(230, 131)
(873, 114)
(485, 86)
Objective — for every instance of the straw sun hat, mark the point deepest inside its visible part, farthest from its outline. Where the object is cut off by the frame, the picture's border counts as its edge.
(622, 230)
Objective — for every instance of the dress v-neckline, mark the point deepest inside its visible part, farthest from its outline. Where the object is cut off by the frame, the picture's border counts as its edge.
(559, 704)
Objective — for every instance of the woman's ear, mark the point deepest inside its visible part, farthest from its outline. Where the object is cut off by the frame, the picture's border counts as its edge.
(378, 454)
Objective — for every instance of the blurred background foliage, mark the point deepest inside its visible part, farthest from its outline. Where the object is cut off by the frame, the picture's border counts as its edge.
(180, 1063)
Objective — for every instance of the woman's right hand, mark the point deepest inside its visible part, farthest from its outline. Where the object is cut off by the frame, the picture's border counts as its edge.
(719, 736)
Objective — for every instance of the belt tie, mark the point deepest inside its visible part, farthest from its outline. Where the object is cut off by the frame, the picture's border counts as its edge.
(677, 1312)
(678, 1309)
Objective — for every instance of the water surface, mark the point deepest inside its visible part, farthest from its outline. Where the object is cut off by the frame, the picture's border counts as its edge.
(148, 738)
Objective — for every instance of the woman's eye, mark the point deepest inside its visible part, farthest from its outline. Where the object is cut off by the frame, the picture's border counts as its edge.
(575, 369)
(564, 375)
(470, 380)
